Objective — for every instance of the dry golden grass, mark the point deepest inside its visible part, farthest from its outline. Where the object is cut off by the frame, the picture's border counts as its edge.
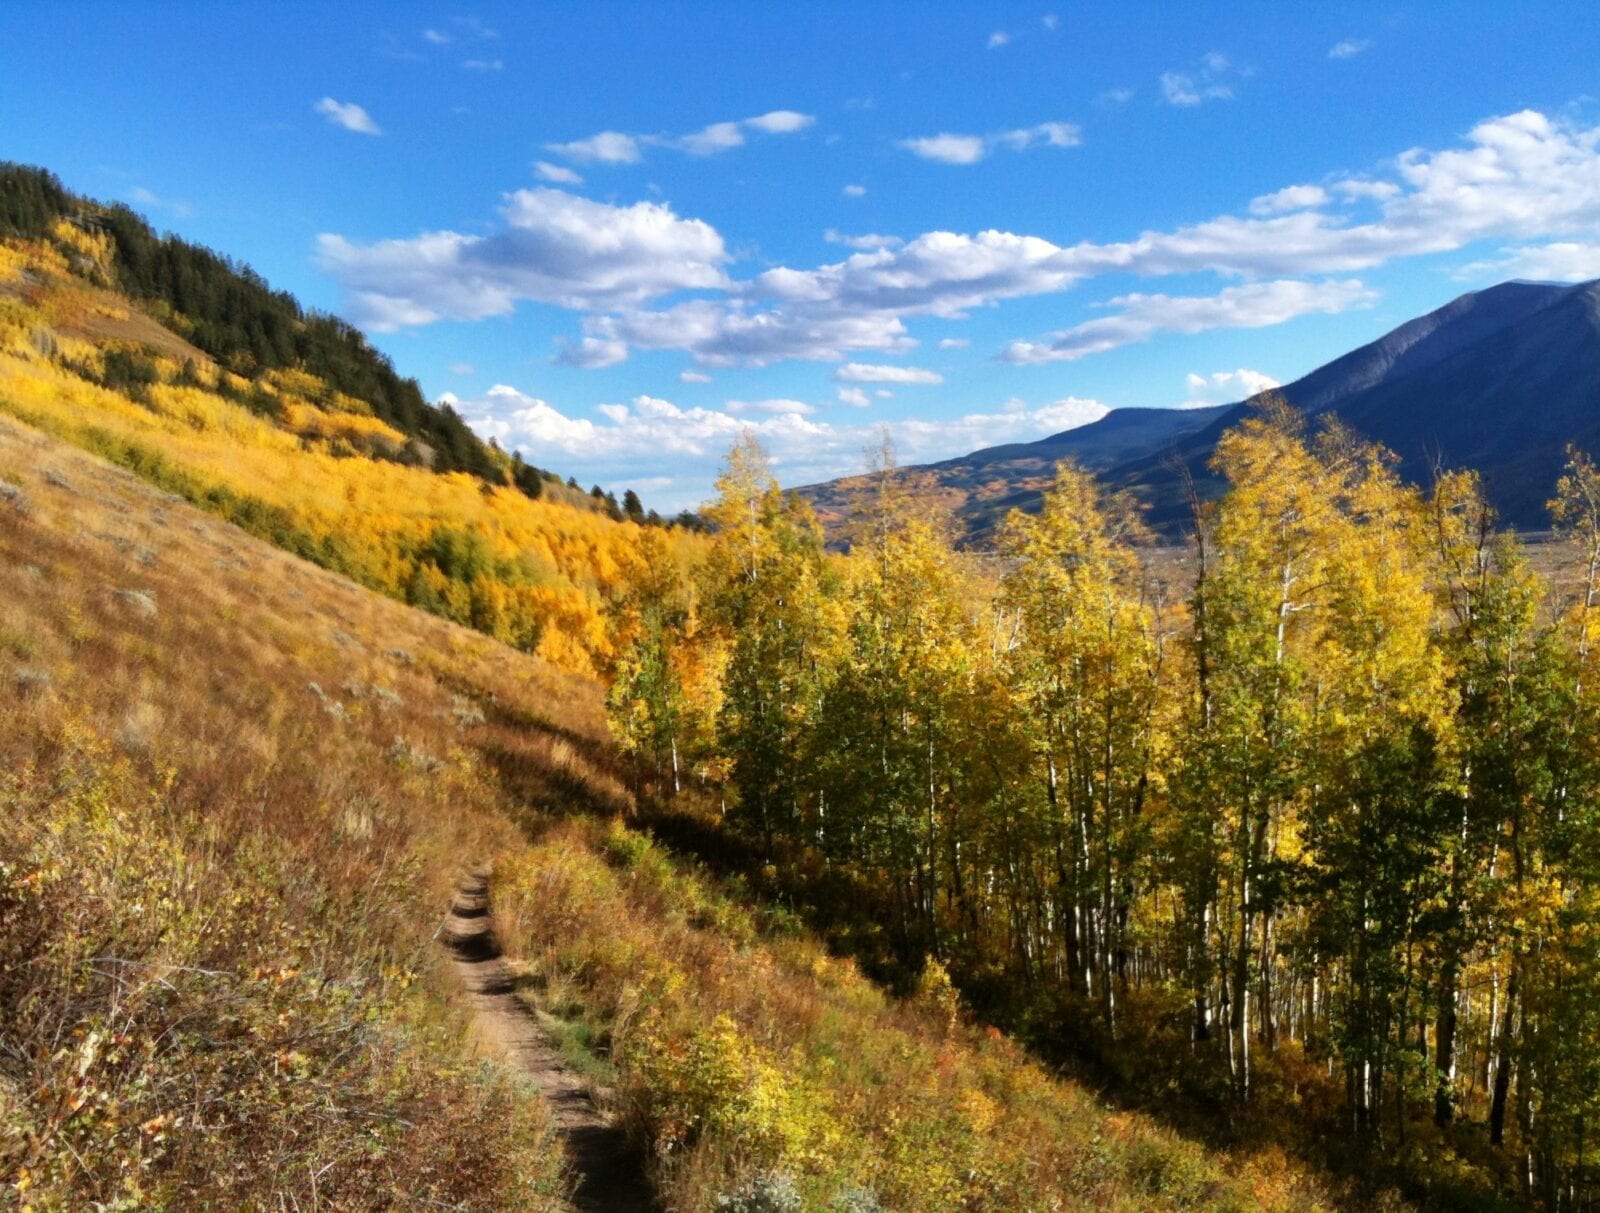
(234, 791)
(740, 1049)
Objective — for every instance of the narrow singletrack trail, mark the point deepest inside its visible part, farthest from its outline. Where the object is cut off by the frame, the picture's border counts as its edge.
(607, 1171)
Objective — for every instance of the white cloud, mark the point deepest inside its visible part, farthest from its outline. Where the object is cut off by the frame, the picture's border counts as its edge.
(1114, 96)
(1224, 387)
(483, 65)
(558, 173)
(866, 372)
(348, 115)
(1180, 88)
(718, 137)
(1349, 48)
(774, 408)
(854, 397)
(1206, 81)
(593, 353)
(948, 149)
(653, 438)
(938, 273)
(1050, 21)
(954, 343)
(1141, 317)
(1521, 179)
(1289, 198)
(969, 149)
(998, 39)
(854, 191)
(867, 242)
(437, 37)
(730, 333)
(693, 377)
(1561, 261)
(780, 122)
(1046, 134)
(555, 248)
(617, 147)
(608, 147)
(1354, 188)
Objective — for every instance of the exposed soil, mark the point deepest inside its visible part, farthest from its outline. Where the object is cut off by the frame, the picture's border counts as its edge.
(608, 1172)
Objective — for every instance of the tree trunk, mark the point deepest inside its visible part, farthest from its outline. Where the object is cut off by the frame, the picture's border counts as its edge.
(1502, 1066)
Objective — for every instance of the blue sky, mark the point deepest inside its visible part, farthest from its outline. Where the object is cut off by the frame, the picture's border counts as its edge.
(613, 234)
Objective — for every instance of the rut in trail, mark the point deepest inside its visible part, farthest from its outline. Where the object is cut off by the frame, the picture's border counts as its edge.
(607, 1170)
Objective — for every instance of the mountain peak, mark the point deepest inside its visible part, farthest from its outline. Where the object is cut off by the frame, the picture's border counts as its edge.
(1499, 379)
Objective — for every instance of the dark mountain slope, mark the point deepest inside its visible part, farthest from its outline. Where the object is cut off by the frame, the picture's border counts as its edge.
(1500, 380)
(981, 488)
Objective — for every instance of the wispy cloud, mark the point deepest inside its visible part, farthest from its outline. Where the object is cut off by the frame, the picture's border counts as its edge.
(1208, 80)
(617, 147)
(1289, 198)
(869, 372)
(560, 174)
(1140, 317)
(969, 149)
(772, 408)
(348, 115)
(483, 65)
(608, 147)
(998, 39)
(1349, 48)
(863, 243)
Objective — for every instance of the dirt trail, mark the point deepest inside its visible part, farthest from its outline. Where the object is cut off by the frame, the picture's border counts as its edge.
(608, 1172)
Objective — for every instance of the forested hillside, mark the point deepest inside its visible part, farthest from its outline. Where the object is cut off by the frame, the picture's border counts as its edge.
(231, 315)
(1304, 847)
(177, 364)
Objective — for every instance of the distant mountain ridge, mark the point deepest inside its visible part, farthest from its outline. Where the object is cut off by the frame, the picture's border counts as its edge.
(1499, 380)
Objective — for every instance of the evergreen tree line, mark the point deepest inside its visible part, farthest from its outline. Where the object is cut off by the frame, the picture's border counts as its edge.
(1328, 798)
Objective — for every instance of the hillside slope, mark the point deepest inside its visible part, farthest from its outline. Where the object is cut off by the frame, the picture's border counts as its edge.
(237, 793)
(294, 459)
(234, 791)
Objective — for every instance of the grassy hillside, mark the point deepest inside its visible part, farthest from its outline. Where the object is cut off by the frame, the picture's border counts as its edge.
(237, 791)
(293, 459)
(230, 809)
